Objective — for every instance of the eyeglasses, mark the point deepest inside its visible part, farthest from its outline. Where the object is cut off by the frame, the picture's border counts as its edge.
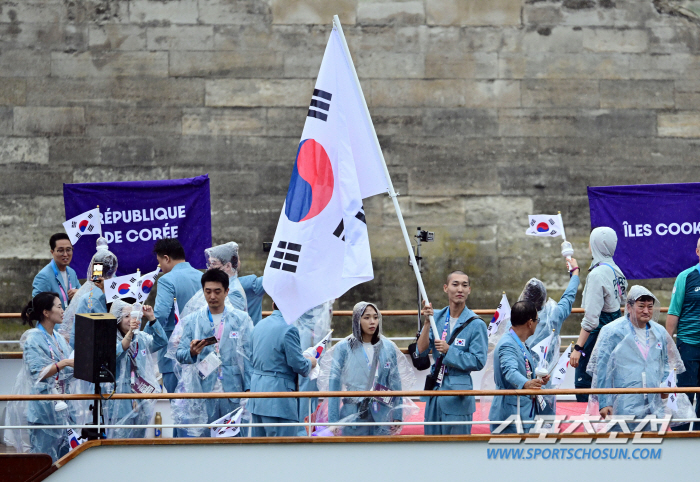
(64, 250)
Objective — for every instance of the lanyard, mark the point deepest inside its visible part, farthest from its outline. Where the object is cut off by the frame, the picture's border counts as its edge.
(220, 328)
(636, 338)
(528, 369)
(447, 325)
(48, 342)
(60, 286)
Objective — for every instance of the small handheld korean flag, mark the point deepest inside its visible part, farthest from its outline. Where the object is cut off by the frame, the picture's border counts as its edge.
(176, 310)
(502, 313)
(672, 400)
(560, 370)
(542, 348)
(83, 225)
(548, 225)
(321, 245)
(121, 287)
(233, 418)
(74, 438)
(317, 352)
(145, 285)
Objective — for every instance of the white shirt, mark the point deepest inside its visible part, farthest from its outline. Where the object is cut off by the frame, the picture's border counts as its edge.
(453, 322)
(64, 275)
(369, 350)
(217, 320)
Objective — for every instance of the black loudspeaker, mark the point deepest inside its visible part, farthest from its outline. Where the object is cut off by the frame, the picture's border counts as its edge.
(95, 347)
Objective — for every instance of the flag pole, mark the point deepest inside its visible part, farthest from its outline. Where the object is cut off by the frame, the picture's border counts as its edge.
(392, 193)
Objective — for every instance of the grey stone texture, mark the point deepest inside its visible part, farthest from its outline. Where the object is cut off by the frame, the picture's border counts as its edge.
(486, 111)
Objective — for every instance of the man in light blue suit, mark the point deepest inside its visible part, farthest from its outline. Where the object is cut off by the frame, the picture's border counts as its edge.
(179, 282)
(254, 292)
(57, 276)
(466, 353)
(514, 365)
(277, 360)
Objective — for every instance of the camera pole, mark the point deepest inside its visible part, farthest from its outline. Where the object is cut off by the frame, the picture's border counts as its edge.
(390, 187)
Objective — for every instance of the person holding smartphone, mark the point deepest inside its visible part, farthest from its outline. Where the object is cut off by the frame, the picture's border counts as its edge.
(57, 276)
(215, 355)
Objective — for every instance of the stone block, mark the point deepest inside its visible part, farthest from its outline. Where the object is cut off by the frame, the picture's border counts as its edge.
(181, 37)
(109, 64)
(444, 93)
(70, 151)
(126, 151)
(234, 12)
(24, 63)
(446, 64)
(560, 93)
(313, 11)
(226, 64)
(389, 65)
(572, 123)
(380, 12)
(110, 173)
(258, 92)
(13, 91)
(473, 12)
(228, 151)
(686, 124)
(119, 91)
(53, 121)
(473, 179)
(614, 40)
(285, 121)
(687, 94)
(30, 150)
(29, 11)
(636, 94)
(496, 210)
(115, 36)
(542, 14)
(136, 121)
(543, 39)
(25, 179)
(563, 66)
(43, 36)
(672, 66)
(257, 37)
(6, 118)
(224, 122)
(463, 40)
(225, 183)
(162, 12)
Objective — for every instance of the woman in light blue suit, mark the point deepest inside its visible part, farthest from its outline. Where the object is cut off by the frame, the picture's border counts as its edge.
(366, 360)
(46, 370)
(136, 370)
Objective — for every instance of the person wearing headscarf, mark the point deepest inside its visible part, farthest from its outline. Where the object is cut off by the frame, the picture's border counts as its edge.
(136, 370)
(603, 295)
(552, 316)
(465, 355)
(46, 369)
(215, 356)
(366, 360)
(635, 351)
(90, 298)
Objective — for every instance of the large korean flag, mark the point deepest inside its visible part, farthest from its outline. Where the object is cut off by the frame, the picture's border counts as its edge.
(321, 247)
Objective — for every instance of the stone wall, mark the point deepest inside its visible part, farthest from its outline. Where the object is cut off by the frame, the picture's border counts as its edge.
(486, 111)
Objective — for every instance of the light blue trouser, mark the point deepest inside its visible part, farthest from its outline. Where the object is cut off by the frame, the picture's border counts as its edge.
(434, 414)
(273, 431)
(52, 442)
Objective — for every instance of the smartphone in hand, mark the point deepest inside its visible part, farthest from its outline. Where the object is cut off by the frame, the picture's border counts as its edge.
(210, 341)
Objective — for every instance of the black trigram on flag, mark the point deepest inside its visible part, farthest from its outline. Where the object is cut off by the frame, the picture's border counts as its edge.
(340, 230)
(132, 280)
(74, 224)
(90, 228)
(320, 102)
(286, 256)
(113, 285)
(115, 297)
(90, 216)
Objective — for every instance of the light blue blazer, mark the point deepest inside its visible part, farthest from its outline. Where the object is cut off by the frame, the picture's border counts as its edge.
(46, 280)
(467, 354)
(277, 360)
(182, 282)
(509, 373)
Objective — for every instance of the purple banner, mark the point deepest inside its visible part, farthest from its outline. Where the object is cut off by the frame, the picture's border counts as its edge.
(657, 226)
(136, 214)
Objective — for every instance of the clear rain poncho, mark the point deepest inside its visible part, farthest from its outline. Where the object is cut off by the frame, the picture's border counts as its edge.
(347, 367)
(550, 324)
(89, 298)
(221, 257)
(626, 356)
(41, 352)
(232, 375)
(136, 373)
